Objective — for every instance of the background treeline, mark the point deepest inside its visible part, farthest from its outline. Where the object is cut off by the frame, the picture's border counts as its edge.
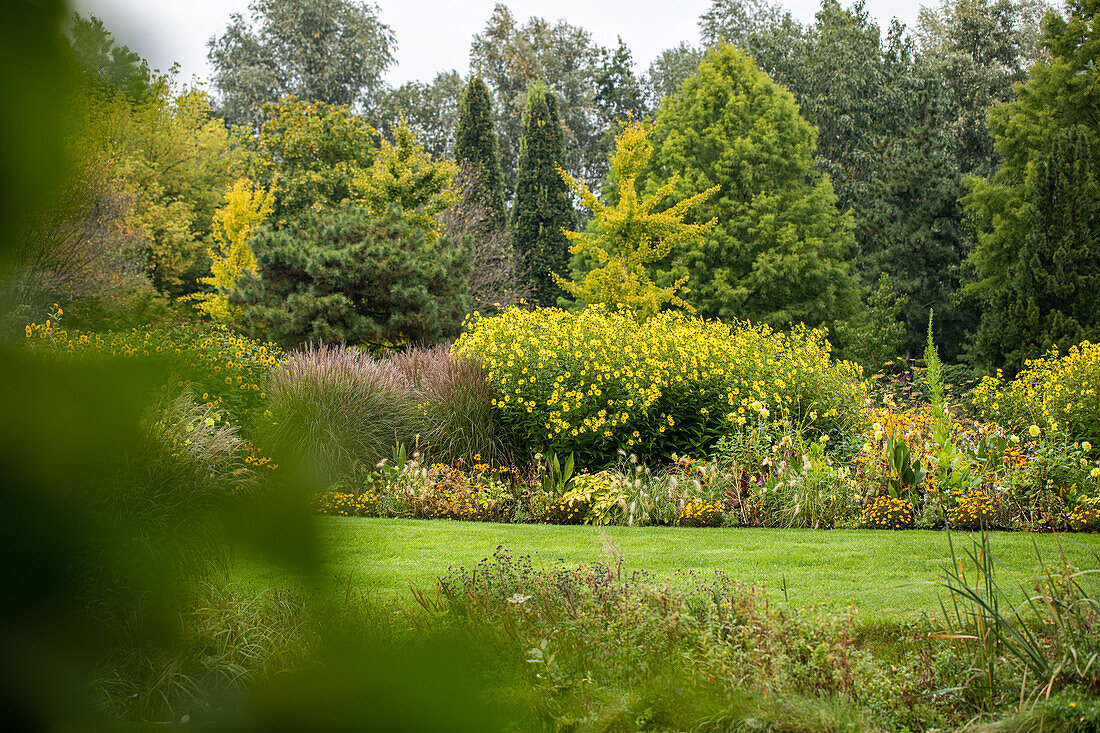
(868, 177)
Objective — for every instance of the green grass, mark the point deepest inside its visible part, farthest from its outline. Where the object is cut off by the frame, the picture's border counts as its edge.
(887, 576)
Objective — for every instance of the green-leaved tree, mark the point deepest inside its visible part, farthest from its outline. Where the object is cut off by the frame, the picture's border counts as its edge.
(779, 252)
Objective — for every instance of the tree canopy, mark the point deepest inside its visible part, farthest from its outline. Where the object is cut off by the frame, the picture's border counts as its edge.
(332, 51)
(779, 251)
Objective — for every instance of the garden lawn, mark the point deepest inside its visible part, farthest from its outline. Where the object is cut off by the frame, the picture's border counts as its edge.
(886, 576)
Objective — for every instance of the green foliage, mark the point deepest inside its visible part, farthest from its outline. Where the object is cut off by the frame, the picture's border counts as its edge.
(624, 239)
(886, 117)
(667, 72)
(311, 156)
(344, 275)
(331, 51)
(873, 337)
(430, 109)
(543, 209)
(114, 65)
(596, 382)
(1047, 294)
(778, 254)
(476, 146)
(404, 176)
(906, 473)
(170, 156)
(1037, 219)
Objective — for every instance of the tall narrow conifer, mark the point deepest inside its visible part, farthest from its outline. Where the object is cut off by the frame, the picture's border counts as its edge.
(543, 209)
(476, 147)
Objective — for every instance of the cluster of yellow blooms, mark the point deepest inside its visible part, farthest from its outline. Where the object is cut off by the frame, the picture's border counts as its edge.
(1085, 518)
(343, 504)
(973, 510)
(701, 514)
(597, 381)
(885, 512)
(224, 370)
(1059, 393)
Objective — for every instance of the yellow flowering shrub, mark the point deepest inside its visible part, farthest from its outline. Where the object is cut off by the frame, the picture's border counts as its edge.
(595, 382)
(223, 370)
(701, 514)
(885, 512)
(1055, 393)
(1085, 518)
(973, 510)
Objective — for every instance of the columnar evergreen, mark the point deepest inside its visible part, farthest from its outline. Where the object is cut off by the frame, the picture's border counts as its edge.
(476, 147)
(543, 210)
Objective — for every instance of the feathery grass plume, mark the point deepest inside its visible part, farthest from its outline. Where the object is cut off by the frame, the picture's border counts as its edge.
(457, 403)
(333, 408)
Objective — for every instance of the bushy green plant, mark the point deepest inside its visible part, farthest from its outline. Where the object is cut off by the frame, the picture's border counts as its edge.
(595, 382)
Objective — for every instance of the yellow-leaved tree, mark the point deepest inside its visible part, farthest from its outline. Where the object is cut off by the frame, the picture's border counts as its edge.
(246, 206)
(403, 174)
(630, 235)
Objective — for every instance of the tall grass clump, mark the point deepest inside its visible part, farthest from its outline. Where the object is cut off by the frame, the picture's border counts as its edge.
(335, 408)
(1048, 643)
(456, 402)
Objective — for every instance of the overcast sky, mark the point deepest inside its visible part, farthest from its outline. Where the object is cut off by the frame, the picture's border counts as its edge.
(434, 35)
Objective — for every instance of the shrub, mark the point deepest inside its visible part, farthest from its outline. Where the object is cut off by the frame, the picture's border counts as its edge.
(335, 408)
(224, 369)
(974, 510)
(885, 512)
(701, 514)
(1085, 518)
(1055, 393)
(457, 406)
(595, 382)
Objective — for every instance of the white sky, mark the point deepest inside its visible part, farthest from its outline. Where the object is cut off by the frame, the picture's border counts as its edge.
(434, 35)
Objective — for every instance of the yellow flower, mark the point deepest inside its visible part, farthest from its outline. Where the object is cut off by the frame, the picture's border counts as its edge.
(1033, 431)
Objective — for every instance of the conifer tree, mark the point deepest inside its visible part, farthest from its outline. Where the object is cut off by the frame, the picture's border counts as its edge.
(625, 238)
(778, 254)
(476, 147)
(1037, 215)
(543, 210)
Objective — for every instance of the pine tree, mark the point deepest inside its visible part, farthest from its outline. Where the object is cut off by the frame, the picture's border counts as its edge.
(543, 210)
(476, 147)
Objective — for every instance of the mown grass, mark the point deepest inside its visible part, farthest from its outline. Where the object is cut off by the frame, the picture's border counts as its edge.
(886, 576)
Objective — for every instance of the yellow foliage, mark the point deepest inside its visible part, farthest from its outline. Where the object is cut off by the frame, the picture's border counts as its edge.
(632, 234)
(246, 205)
(403, 174)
